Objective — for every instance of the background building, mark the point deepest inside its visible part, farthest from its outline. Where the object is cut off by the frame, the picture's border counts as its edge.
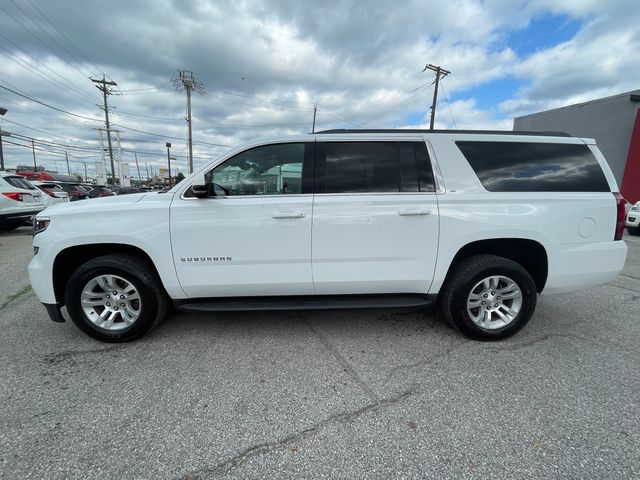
(614, 122)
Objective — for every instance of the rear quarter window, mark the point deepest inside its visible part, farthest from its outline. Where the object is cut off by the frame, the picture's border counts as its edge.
(534, 167)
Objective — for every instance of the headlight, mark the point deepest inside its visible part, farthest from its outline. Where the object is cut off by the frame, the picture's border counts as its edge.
(40, 224)
(635, 209)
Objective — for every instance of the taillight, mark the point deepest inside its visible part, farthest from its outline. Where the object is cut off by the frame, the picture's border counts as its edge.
(17, 196)
(619, 216)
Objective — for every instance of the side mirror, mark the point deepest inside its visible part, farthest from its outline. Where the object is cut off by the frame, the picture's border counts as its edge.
(200, 188)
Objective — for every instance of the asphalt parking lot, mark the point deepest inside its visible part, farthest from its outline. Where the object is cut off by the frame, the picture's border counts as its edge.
(355, 394)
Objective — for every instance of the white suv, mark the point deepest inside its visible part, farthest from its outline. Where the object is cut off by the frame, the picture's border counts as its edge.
(19, 201)
(481, 222)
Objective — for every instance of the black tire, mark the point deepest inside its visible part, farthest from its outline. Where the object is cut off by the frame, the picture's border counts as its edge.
(154, 301)
(9, 227)
(465, 276)
(633, 230)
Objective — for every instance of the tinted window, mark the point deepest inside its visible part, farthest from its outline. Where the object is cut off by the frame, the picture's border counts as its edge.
(267, 170)
(361, 167)
(358, 167)
(19, 182)
(416, 168)
(534, 167)
(408, 170)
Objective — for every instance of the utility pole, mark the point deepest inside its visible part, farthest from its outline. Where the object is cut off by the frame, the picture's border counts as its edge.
(66, 155)
(85, 172)
(187, 83)
(440, 73)
(33, 150)
(147, 166)
(2, 112)
(169, 161)
(138, 167)
(102, 86)
(315, 109)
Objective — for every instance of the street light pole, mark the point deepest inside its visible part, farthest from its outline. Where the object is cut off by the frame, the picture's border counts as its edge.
(2, 112)
(169, 161)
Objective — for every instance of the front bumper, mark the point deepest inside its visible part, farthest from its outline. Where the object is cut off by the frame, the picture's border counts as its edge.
(41, 274)
(632, 219)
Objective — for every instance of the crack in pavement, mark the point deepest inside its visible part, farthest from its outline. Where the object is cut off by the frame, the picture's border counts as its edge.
(629, 276)
(597, 341)
(624, 288)
(23, 291)
(346, 366)
(427, 361)
(268, 447)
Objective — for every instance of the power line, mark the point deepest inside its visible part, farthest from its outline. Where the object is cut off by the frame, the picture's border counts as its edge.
(167, 136)
(49, 106)
(28, 66)
(46, 33)
(39, 39)
(63, 35)
(449, 107)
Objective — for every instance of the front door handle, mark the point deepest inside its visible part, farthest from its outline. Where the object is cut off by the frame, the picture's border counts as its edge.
(288, 215)
(413, 211)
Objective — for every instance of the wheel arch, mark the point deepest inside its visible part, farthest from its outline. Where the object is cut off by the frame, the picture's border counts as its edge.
(69, 259)
(531, 254)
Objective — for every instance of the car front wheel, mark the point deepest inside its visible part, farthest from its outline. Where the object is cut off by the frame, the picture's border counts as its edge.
(115, 298)
(487, 297)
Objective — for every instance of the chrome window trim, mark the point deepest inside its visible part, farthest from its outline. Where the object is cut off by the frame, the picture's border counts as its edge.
(231, 197)
(285, 195)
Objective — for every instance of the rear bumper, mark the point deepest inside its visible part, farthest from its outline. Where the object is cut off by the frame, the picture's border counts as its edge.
(579, 266)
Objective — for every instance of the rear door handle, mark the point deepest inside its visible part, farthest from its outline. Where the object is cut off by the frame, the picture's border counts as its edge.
(288, 215)
(413, 211)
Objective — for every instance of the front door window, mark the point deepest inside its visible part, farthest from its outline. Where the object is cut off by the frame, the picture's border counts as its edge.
(267, 170)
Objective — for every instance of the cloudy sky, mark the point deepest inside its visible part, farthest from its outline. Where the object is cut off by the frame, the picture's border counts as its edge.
(264, 64)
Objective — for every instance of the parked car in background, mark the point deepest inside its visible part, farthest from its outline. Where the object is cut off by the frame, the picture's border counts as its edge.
(19, 181)
(96, 191)
(52, 193)
(19, 201)
(127, 190)
(632, 221)
(75, 191)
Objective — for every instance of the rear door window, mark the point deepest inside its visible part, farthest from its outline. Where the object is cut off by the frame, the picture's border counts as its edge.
(534, 167)
(373, 167)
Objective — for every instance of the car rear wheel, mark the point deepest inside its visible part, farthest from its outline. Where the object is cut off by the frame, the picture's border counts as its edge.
(116, 298)
(487, 297)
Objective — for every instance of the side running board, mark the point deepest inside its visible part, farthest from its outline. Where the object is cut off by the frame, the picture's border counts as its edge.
(311, 302)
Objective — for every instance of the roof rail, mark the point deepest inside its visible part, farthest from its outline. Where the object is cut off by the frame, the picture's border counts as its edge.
(483, 132)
